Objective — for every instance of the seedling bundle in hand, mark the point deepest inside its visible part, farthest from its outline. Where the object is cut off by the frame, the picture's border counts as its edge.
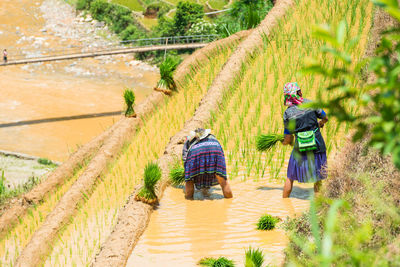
(177, 174)
(265, 142)
(166, 84)
(129, 97)
(152, 174)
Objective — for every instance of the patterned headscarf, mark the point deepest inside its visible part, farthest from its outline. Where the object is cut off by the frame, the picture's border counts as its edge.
(290, 94)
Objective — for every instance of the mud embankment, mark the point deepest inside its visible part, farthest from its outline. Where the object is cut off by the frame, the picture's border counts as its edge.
(133, 218)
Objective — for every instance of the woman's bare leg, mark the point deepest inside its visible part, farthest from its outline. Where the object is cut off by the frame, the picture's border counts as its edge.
(287, 188)
(189, 190)
(226, 189)
(317, 186)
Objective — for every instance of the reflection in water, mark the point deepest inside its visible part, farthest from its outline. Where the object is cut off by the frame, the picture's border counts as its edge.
(181, 232)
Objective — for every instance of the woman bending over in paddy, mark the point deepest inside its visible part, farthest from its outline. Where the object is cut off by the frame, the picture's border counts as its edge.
(308, 159)
(204, 163)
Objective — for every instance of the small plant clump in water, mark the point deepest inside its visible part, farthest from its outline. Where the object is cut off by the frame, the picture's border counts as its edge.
(265, 142)
(152, 174)
(177, 174)
(213, 262)
(45, 161)
(166, 84)
(267, 222)
(129, 97)
(254, 257)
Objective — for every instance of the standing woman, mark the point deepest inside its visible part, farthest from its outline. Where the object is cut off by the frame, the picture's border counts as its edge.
(5, 55)
(204, 163)
(302, 130)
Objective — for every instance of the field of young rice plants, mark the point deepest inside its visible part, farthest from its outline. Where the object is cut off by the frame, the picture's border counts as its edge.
(14, 241)
(254, 104)
(81, 239)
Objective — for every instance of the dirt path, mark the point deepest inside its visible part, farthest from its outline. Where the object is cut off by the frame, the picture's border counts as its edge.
(131, 223)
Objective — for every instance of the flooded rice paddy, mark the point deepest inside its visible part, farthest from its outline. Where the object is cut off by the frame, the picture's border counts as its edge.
(181, 232)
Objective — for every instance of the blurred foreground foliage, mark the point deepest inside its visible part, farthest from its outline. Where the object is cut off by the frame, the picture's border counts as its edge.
(355, 221)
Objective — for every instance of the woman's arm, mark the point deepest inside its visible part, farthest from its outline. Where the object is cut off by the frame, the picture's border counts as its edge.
(288, 139)
(323, 121)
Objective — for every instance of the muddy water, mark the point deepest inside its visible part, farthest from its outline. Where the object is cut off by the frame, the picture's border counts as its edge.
(58, 89)
(181, 232)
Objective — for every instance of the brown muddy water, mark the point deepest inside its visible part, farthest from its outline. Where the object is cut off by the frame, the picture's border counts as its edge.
(181, 232)
(58, 89)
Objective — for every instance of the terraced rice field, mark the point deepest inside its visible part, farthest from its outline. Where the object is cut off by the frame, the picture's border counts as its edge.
(254, 104)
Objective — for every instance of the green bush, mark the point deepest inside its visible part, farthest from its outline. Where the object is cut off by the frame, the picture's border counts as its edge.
(99, 9)
(267, 222)
(186, 14)
(202, 27)
(160, 8)
(83, 4)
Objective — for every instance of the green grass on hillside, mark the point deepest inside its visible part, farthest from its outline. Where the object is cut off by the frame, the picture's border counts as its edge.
(134, 5)
(218, 4)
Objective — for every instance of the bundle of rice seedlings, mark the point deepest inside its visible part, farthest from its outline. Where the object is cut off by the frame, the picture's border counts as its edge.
(213, 262)
(177, 174)
(166, 84)
(129, 97)
(265, 142)
(267, 222)
(254, 258)
(152, 174)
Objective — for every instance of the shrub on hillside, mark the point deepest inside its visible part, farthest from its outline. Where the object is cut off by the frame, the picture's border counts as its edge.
(130, 33)
(83, 4)
(157, 9)
(202, 27)
(186, 14)
(99, 9)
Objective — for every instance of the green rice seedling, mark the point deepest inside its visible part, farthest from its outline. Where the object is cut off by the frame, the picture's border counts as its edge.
(254, 257)
(177, 174)
(213, 262)
(45, 161)
(265, 142)
(152, 174)
(2, 183)
(267, 222)
(129, 97)
(167, 69)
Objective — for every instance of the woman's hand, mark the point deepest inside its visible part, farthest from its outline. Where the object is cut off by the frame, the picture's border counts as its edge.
(288, 139)
(322, 122)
